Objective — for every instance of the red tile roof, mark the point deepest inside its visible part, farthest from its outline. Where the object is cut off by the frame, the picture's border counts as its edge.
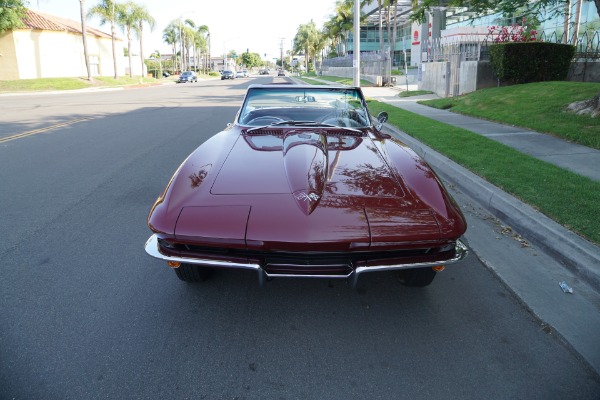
(40, 21)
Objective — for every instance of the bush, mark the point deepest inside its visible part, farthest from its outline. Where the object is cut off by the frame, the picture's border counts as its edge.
(526, 62)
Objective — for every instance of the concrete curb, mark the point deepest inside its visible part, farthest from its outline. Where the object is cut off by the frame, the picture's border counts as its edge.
(576, 253)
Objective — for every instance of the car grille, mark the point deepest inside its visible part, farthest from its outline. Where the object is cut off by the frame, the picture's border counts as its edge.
(310, 263)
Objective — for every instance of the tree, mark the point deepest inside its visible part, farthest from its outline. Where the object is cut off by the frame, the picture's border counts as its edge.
(157, 56)
(131, 17)
(251, 60)
(127, 19)
(204, 33)
(337, 29)
(12, 13)
(479, 7)
(143, 17)
(306, 38)
(106, 11)
(170, 37)
(84, 38)
(508, 7)
(344, 20)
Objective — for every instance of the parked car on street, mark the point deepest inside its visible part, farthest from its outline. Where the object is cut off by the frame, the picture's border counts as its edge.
(304, 183)
(227, 74)
(187, 76)
(263, 72)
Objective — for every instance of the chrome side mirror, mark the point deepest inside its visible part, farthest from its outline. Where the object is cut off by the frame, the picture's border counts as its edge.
(382, 117)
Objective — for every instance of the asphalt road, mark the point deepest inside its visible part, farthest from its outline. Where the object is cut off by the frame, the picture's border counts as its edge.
(86, 314)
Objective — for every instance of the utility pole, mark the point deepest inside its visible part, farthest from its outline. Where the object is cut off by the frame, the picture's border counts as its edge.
(281, 49)
(356, 60)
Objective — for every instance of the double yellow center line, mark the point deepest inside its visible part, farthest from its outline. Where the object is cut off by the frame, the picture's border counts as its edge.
(42, 130)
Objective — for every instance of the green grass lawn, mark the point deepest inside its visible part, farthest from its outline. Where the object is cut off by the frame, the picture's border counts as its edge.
(536, 106)
(570, 199)
(31, 85)
(409, 93)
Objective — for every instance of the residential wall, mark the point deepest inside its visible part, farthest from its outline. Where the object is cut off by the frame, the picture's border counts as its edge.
(434, 77)
(466, 83)
(32, 54)
(9, 69)
(475, 75)
(584, 71)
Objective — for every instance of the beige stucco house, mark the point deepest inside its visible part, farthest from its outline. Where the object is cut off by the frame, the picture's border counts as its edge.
(51, 47)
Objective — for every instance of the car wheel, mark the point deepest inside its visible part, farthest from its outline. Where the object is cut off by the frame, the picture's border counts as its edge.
(416, 277)
(193, 273)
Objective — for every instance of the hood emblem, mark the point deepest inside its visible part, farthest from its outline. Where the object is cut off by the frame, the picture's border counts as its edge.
(303, 196)
(307, 201)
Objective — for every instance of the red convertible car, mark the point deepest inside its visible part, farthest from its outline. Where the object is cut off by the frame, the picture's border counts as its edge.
(305, 184)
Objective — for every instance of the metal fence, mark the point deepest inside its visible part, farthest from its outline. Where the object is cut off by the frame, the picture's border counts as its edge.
(473, 48)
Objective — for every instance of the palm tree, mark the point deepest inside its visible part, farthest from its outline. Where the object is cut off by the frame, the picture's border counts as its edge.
(344, 19)
(379, 4)
(204, 32)
(170, 37)
(84, 36)
(157, 56)
(143, 16)
(190, 40)
(305, 39)
(132, 17)
(319, 45)
(127, 19)
(331, 33)
(106, 10)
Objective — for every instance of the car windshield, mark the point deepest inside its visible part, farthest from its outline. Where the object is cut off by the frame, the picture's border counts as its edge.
(186, 74)
(301, 105)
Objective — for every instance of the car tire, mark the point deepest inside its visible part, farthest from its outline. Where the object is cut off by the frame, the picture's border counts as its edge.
(193, 273)
(416, 277)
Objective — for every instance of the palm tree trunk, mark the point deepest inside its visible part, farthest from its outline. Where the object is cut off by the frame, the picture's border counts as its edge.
(84, 35)
(114, 50)
(142, 51)
(129, 52)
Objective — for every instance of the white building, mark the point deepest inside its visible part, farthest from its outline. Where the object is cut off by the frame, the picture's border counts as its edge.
(50, 47)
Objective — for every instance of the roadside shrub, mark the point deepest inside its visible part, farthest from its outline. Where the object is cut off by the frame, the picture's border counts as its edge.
(526, 62)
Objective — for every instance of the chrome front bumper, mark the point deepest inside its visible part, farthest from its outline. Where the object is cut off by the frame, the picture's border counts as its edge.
(153, 249)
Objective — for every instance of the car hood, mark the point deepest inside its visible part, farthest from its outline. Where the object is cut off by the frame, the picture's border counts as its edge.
(335, 190)
(308, 165)
(306, 187)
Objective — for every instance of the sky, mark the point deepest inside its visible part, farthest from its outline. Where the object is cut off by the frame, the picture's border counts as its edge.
(261, 26)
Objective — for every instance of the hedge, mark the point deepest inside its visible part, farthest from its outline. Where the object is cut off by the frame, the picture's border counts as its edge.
(526, 62)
